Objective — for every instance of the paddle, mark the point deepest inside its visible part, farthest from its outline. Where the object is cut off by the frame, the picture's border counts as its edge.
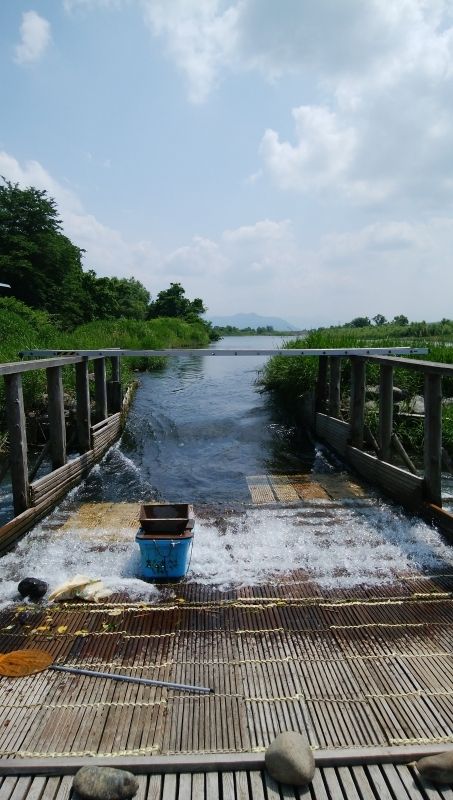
(20, 663)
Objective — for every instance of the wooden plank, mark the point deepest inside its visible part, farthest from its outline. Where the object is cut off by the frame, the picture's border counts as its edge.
(434, 367)
(57, 426)
(321, 391)
(17, 435)
(385, 411)
(83, 409)
(396, 482)
(334, 431)
(18, 367)
(100, 389)
(357, 402)
(334, 386)
(433, 438)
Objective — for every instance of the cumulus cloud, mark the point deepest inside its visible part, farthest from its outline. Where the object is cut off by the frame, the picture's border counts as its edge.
(35, 38)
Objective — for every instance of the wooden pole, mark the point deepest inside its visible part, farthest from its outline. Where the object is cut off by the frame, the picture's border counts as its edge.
(83, 411)
(433, 437)
(57, 427)
(17, 442)
(100, 389)
(321, 384)
(357, 405)
(114, 391)
(334, 386)
(385, 412)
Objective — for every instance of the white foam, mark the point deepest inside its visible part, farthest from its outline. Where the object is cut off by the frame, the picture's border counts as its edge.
(350, 545)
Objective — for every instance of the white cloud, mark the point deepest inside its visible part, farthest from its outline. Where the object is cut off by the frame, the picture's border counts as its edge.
(322, 154)
(35, 38)
(199, 36)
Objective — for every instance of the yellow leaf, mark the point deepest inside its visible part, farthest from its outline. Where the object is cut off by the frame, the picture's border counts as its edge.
(41, 629)
(62, 628)
(81, 633)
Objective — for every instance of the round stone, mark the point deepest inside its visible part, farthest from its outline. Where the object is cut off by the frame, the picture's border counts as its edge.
(438, 769)
(33, 588)
(289, 759)
(104, 783)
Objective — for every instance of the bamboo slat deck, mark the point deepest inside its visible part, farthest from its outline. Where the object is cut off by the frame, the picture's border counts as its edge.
(384, 781)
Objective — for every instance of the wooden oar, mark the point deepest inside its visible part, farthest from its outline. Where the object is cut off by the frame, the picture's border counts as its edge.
(20, 663)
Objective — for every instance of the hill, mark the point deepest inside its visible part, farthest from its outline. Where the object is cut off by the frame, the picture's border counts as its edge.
(251, 320)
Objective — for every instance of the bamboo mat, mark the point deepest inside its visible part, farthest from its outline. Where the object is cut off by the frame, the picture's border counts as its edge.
(372, 667)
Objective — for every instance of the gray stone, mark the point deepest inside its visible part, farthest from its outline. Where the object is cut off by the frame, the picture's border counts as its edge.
(438, 769)
(104, 783)
(418, 404)
(289, 759)
(33, 588)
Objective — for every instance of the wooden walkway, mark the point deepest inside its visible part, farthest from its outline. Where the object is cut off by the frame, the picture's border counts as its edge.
(371, 782)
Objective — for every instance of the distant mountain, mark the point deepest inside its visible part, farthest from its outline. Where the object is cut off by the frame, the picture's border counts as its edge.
(252, 321)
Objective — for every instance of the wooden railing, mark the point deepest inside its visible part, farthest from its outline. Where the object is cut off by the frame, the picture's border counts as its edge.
(33, 499)
(347, 436)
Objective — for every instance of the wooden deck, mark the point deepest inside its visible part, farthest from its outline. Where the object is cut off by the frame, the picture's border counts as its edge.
(383, 781)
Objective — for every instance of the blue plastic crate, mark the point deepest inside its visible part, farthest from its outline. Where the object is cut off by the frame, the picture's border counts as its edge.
(164, 558)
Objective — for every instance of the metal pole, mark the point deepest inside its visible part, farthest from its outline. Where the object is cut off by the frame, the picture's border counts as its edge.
(129, 679)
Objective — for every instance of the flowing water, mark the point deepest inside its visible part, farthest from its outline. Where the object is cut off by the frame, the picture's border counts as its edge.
(196, 431)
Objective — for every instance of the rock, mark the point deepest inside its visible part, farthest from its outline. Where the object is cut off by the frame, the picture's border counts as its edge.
(104, 783)
(32, 588)
(418, 404)
(438, 769)
(289, 759)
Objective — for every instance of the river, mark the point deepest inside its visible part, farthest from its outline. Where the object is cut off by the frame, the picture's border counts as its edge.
(196, 431)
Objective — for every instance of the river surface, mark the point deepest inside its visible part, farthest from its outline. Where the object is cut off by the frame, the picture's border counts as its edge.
(196, 430)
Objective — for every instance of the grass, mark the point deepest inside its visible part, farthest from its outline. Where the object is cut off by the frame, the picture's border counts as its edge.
(289, 378)
(22, 328)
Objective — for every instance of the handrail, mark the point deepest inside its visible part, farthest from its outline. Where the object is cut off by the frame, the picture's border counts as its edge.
(201, 351)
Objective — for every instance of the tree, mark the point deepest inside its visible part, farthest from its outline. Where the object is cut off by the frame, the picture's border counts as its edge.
(400, 320)
(359, 322)
(42, 265)
(172, 302)
(379, 320)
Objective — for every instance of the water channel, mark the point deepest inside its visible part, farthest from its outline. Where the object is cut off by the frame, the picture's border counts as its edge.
(196, 431)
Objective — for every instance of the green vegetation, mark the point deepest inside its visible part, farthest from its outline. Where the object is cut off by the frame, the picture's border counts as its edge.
(230, 330)
(290, 378)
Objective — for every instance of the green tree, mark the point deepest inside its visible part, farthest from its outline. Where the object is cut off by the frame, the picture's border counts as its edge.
(379, 320)
(359, 322)
(400, 320)
(172, 302)
(42, 265)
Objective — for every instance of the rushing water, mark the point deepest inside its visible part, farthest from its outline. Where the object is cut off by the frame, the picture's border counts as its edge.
(195, 431)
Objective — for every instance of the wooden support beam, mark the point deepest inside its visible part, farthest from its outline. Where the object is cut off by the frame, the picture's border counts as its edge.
(357, 404)
(57, 426)
(321, 384)
(433, 437)
(17, 442)
(385, 411)
(100, 389)
(334, 386)
(114, 389)
(83, 412)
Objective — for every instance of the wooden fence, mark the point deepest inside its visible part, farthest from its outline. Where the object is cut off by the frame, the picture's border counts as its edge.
(347, 437)
(33, 499)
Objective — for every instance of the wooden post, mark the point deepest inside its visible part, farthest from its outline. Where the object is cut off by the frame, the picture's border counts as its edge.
(100, 389)
(433, 437)
(385, 412)
(321, 384)
(357, 404)
(17, 442)
(57, 427)
(334, 386)
(114, 391)
(83, 406)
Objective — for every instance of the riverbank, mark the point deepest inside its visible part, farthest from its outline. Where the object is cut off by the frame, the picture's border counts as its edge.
(290, 378)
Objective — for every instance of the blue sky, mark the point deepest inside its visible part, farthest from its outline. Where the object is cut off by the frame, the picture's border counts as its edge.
(292, 159)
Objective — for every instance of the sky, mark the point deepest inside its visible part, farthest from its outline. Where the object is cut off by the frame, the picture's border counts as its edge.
(292, 158)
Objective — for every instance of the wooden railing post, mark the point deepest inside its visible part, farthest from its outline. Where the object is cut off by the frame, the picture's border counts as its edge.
(335, 386)
(357, 404)
(433, 437)
(114, 392)
(55, 407)
(385, 412)
(83, 411)
(100, 389)
(321, 384)
(17, 442)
